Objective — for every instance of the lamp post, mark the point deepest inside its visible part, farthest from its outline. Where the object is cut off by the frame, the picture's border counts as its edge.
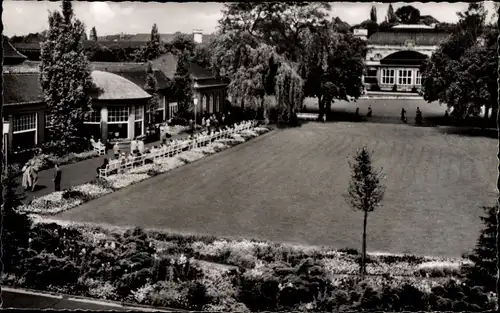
(5, 133)
(195, 101)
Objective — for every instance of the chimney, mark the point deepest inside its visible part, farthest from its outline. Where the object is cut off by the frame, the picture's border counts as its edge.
(197, 35)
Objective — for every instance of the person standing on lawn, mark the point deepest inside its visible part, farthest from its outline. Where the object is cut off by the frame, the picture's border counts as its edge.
(57, 178)
(33, 175)
(26, 176)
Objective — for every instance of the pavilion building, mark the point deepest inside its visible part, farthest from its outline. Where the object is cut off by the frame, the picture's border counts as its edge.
(394, 57)
(119, 106)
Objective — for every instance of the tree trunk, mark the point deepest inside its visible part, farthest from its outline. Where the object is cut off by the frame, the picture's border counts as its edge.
(264, 111)
(321, 105)
(363, 252)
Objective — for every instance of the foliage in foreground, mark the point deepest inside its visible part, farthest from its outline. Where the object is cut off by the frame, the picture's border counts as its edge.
(206, 273)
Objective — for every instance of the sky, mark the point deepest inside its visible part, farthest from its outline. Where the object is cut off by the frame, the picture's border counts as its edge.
(23, 17)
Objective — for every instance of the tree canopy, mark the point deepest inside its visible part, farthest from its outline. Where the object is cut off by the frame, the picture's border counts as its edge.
(65, 75)
(274, 48)
(153, 48)
(93, 34)
(462, 73)
(408, 14)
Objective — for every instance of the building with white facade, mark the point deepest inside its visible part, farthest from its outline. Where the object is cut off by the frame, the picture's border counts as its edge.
(394, 57)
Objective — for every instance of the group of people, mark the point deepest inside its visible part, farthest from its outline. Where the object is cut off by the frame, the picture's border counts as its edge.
(213, 121)
(30, 176)
(418, 116)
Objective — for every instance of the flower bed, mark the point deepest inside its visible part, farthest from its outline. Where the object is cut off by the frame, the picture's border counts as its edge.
(55, 202)
(173, 270)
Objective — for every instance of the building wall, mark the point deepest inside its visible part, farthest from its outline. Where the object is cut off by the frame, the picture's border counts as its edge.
(377, 52)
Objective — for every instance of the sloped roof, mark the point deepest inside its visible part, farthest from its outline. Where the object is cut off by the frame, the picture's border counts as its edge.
(166, 63)
(399, 37)
(115, 87)
(22, 88)
(168, 37)
(35, 46)
(10, 54)
(199, 73)
(135, 72)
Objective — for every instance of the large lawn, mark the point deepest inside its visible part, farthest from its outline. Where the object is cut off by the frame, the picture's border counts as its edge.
(288, 185)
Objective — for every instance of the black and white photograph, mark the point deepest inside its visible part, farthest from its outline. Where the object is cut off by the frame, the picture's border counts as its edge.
(250, 156)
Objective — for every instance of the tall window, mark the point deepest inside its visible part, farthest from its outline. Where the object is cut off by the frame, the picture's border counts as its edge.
(24, 130)
(118, 114)
(404, 77)
(388, 76)
(94, 117)
(118, 122)
(418, 79)
(139, 118)
(159, 114)
(172, 109)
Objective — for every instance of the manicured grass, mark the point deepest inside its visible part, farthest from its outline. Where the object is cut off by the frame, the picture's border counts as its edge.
(287, 186)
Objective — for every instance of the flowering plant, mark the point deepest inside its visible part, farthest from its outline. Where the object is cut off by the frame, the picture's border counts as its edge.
(119, 181)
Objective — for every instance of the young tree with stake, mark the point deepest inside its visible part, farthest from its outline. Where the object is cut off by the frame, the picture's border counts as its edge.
(365, 191)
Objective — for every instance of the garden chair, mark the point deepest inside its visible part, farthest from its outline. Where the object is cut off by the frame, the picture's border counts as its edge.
(99, 148)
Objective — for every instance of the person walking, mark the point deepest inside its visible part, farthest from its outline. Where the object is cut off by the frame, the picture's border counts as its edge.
(369, 114)
(403, 115)
(116, 150)
(26, 176)
(34, 176)
(57, 177)
(418, 117)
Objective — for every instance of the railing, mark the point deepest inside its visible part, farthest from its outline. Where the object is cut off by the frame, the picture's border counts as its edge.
(115, 167)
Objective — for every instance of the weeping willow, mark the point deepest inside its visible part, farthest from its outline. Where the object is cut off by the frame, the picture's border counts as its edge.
(289, 91)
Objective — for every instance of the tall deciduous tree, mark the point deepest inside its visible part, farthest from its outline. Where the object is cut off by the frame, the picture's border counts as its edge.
(93, 34)
(151, 87)
(408, 14)
(65, 76)
(365, 191)
(461, 73)
(153, 48)
(373, 14)
(182, 86)
(334, 66)
(391, 18)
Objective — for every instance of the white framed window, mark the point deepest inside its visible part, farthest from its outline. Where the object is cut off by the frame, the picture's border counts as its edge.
(24, 131)
(118, 115)
(94, 117)
(161, 106)
(418, 78)
(388, 76)
(404, 77)
(139, 112)
(172, 109)
(24, 123)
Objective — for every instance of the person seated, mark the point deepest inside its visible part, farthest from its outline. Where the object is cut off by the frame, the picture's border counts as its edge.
(103, 166)
(92, 141)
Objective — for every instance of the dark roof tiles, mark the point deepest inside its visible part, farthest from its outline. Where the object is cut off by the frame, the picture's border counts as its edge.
(22, 88)
(420, 38)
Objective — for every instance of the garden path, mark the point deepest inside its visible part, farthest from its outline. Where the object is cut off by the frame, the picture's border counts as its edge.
(74, 174)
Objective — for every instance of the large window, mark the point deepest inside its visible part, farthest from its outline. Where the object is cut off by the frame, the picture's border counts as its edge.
(404, 77)
(418, 78)
(24, 131)
(118, 122)
(118, 114)
(172, 109)
(94, 117)
(160, 111)
(139, 118)
(388, 76)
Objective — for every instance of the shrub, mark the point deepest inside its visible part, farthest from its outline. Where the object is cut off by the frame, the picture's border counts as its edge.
(349, 251)
(259, 293)
(395, 88)
(375, 87)
(414, 89)
(75, 194)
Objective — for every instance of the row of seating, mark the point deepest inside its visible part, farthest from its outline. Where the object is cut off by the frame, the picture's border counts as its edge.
(116, 166)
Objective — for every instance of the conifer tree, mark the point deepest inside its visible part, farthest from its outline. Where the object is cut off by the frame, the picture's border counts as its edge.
(151, 87)
(153, 48)
(93, 34)
(373, 14)
(65, 77)
(483, 271)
